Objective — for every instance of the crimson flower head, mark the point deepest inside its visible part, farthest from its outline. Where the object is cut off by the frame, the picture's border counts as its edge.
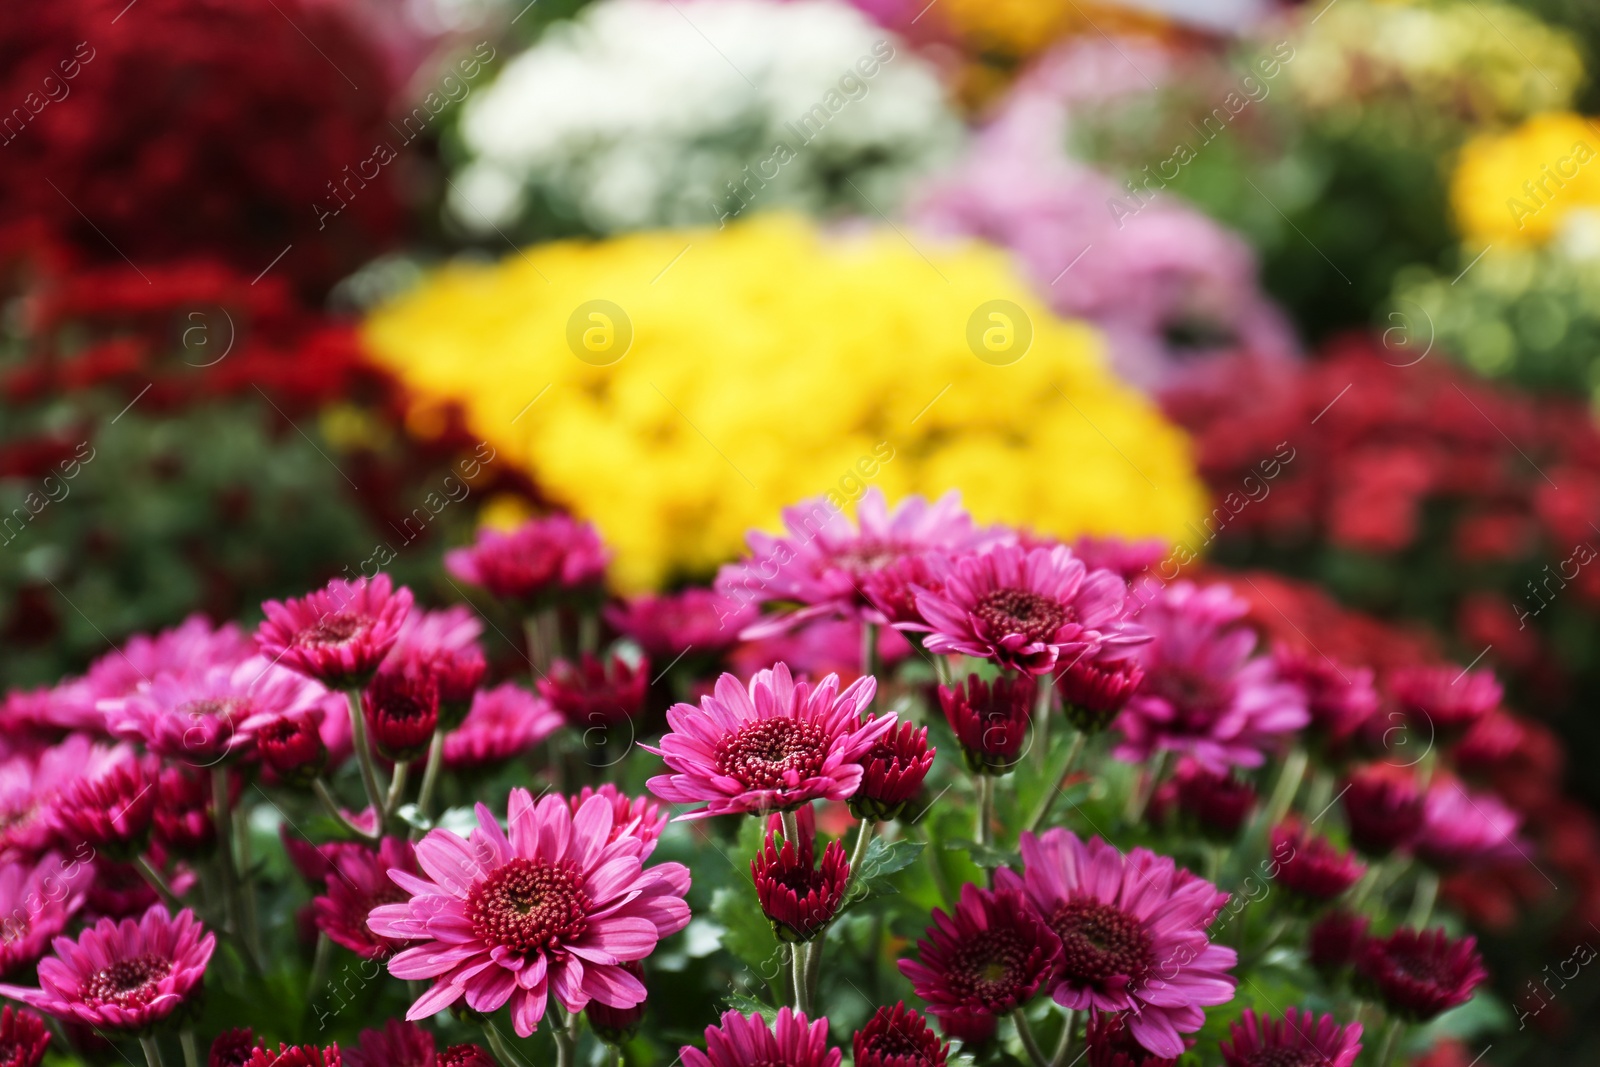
(637, 817)
(232, 1048)
(185, 819)
(292, 746)
(404, 1044)
(111, 811)
(898, 1037)
(799, 898)
(892, 588)
(1109, 1043)
(1418, 975)
(990, 955)
(990, 720)
(1216, 801)
(616, 1025)
(1383, 808)
(771, 746)
(747, 1041)
(1335, 941)
(893, 772)
(1299, 1039)
(1310, 867)
(469, 1055)
(1094, 689)
(1339, 698)
(1445, 699)
(358, 881)
(444, 645)
(124, 976)
(402, 710)
(543, 560)
(23, 1037)
(668, 625)
(973, 1029)
(592, 693)
(295, 1056)
(339, 634)
(1025, 609)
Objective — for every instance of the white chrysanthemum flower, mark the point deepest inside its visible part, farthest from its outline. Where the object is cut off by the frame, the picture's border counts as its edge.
(642, 113)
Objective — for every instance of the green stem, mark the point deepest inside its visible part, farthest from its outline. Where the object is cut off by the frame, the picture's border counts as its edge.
(791, 827)
(941, 670)
(330, 803)
(152, 1051)
(1145, 789)
(1391, 1042)
(158, 883)
(813, 967)
(502, 1051)
(1029, 1042)
(588, 632)
(1064, 1046)
(985, 813)
(566, 1035)
(430, 776)
(1294, 769)
(1427, 893)
(358, 736)
(869, 650)
(223, 819)
(320, 962)
(246, 885)
(191, 1054)
(1044, 690)
(859, 853)
(802, 985)
(1041, 811)
(397, 790)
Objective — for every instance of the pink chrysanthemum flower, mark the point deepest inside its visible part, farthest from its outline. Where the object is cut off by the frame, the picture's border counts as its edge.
(37, 900)
(1417, 975)
(444, 646)
(31, 784)
(402, 1044)
(124, 976)
(291, 745)
(898, 1037)
(201, 717)
(1133, 934)
(111, 810)
(358, 880)
(1444, 701)
(504, 722)
(1462, 829)
(1027, 609)
(1299, 1039)
(825, 557)
(1310, 867)
(1216, 803)
(1339, 698)
(987, 957)
(1383, 808)
(295, 1056)
(1203, 694)
(638, 817)
(23, 1038)
(546, 557)
(747, 1041)
(671, 625)
(893, 771)
(593, 693)
(554, 909)
(773, 746)
(338, 634)
(798, 897)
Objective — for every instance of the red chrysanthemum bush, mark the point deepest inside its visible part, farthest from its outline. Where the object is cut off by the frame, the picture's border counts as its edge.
(1096, 813)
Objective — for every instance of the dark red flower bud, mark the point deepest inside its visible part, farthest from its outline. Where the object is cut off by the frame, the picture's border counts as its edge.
(616, 1025)
(112, 811)
(456, 672)
(594, 693)
(232, 1048)
(973, 1029)
(473, 1056)
(892, 773)
(295, 1056)
(991, 722)
(1310, 867)
(23, 1037)
(1442, 702)
(898, 1037)
(1218, 803)
(185, 820)
(402, 710)
(1093, 692)
(1383, 808)
(1335, 940)
(889, 588)
(292, 746)
(1418, 975)
(799, 897)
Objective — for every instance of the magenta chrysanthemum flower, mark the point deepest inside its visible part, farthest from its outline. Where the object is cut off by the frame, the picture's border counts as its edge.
(638, 817)
(1444, 701)
(193, 648)
(31, 783)
(1462, 829)
(295, 1056)
(990, 721)
(292, 746)
(823, 561)
(339, 634)
(1203, 694)
(1025, 609)
(112, 809)
(444, 646)
(543, 558)
(989, 956)
(1214, 802)
(1133, 933)
(1310, 867)
(403, 1044)
(1334, 941)
(747, 1041)
(232, 1048)
(1338, 698)
(798, 897)
(37, 900)
(898, 1037)
(1095, 689)
(892, 773)
(1109, 1043)
(402, 711)
(358, 880)
(504, 722)
(23, 1038)
(554, 909)
(596, 693)
(671, 625)
(1299, 1039)
(185, 819)
(1418, 975)
(1383, 808)
(772, 746)
(122, 976)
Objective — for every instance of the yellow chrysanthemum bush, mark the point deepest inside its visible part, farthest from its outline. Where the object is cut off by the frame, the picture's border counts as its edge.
(1522, 187)
(680, 387)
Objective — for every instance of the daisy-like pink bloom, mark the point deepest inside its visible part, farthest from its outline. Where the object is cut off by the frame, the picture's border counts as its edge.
(23, 1038)
(825, 557)
(1445, 701)
(1203, 694)
(1310, 867)
(696, 620)
(37, 900)
(1334, 941)
(111, 810)
(202, 717)
(402, 1044)
(1299, 1039)
(747, 1041)
(30, 785)
(555, 908)
(444, 646)
(1216, 803)
(338, 634)
(1383, 808)
(292, 746)
(1418, 975)
(544, 558)
(1095, 689)
(359, 880)
(594, 692)
(123, 976)
(402, 712)
(1133, 934)
(898, 1037)
(185, 821)
(988, 957)
(1339, 698)
(770, 747)
(1129, 559)
(1462, 829)
(295, 1056)
(1026, 609)
(638, 817)
(504, 722)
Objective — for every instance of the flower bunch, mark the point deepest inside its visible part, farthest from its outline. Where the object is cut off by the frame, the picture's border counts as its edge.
(702, 367)
(613, 121)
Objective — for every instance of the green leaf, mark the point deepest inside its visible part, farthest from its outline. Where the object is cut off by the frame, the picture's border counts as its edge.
(986, 856)
(751, 1006)
(884, 859)
(748, 935)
